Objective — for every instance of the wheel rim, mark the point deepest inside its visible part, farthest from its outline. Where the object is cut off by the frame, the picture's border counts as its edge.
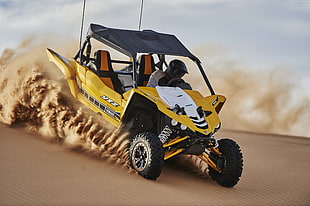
(140, 157)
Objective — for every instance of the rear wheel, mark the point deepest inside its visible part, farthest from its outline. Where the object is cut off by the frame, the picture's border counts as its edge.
(230, 163)
(146, 155)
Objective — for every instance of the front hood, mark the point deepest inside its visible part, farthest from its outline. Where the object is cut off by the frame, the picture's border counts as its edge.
(176, 97)
(165, 99)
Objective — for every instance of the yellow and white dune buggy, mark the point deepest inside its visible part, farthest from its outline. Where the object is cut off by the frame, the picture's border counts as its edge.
(162, 122)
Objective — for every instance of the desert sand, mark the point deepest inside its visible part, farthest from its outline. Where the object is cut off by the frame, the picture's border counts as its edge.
(35, 171)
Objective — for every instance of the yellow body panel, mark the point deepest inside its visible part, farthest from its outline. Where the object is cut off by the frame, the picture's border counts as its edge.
(206, 103)
(67, 67)
(88, 88)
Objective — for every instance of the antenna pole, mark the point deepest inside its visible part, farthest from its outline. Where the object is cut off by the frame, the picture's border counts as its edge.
(141, 11)
(82, 26)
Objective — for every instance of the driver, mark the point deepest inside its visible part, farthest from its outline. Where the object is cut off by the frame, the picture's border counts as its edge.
(171, 76)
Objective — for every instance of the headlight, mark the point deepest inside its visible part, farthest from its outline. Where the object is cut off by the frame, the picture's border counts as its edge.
(174, 122)
(177, 125)
(183, 127)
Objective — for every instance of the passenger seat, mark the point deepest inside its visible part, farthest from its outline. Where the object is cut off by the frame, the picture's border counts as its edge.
(147, 67)
(106, 72)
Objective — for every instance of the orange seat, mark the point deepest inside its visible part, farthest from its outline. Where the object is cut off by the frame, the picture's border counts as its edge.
(147, 67)
(106, 72)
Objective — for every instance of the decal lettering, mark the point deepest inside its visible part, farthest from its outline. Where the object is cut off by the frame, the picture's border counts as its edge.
(165, 134)
(104, 108)
(110, 101)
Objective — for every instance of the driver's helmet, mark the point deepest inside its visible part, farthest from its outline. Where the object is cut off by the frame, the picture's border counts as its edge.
(176, 68)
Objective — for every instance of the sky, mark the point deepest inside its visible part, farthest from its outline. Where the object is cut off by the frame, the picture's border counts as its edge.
(262, 34)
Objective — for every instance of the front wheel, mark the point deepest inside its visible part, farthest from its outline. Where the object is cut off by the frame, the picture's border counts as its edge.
(230, 162)
(146, 155)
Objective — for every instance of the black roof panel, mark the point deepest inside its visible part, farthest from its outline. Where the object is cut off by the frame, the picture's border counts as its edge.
(131, 42)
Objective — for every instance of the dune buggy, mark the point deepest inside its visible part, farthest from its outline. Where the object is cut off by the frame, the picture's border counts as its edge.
(162, 122)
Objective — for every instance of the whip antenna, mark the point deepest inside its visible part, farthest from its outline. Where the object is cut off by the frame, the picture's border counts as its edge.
(82, 26)
(140, 18)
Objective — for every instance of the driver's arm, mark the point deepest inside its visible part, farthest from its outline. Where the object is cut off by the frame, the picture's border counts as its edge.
(154, 78)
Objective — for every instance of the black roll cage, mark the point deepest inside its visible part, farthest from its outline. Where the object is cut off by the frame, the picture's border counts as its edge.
(83, 54)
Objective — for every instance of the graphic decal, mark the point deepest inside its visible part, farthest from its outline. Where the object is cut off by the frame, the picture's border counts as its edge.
(104, 108)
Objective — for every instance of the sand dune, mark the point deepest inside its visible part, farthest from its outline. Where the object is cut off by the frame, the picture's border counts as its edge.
(74, 157)
(37, 172)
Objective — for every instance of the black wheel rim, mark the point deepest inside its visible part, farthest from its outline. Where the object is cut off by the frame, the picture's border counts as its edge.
(140, 157)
